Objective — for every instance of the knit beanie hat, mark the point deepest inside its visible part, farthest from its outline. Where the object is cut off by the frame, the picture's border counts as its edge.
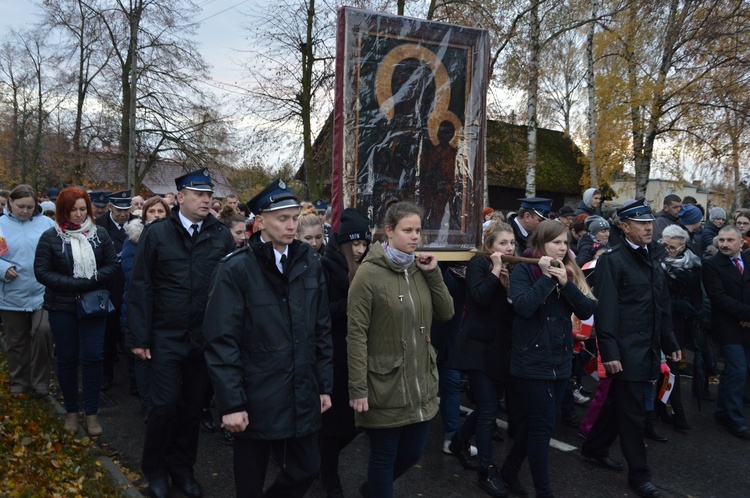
(690, 215)
(355, 225)
(716, 212)
(597, 224)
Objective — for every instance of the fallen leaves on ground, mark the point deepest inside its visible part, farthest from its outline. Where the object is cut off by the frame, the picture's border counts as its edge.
(38, 458)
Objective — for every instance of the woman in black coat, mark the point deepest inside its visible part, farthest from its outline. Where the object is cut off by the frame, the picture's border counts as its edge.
(343, 254)
(73, 257)
(483, 350)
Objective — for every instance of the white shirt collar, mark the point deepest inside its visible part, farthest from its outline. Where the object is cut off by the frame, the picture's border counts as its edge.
(634, 246)
(278, 255)
(523, 230)
(113, 221)
(186, 223)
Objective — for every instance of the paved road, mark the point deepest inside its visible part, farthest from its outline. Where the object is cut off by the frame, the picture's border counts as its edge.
(708, 463)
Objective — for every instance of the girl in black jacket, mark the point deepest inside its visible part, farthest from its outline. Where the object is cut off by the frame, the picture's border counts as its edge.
(544, 297)
(74, 257)
(343, 254)
(483, 350)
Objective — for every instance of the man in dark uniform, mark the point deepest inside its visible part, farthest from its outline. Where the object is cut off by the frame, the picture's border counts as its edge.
(321, 206)
(166, 303)
(533, 211)
(268, 349)
(99, 202)
(114, 221)
(634, 325)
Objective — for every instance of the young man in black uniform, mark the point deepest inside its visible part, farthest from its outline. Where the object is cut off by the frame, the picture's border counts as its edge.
(114, 221)
(166, 304)
(633, 322)
(268, 349)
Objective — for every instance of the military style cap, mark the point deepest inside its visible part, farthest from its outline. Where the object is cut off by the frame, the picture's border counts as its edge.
(272, 198)
(99, 198)
(120, 200)
(199, 180)
(539, 205)
(320, 205)
(636, 210)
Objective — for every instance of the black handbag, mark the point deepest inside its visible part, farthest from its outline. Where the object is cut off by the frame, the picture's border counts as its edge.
(94, 303)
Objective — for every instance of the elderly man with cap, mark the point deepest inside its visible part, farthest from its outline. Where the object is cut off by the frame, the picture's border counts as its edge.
(167, 299)
(633, 325)
(533, 211)
(268, 349)
(99, 202)
(114, 222)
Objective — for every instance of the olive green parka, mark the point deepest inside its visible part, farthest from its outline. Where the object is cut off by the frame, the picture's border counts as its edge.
(391, 360)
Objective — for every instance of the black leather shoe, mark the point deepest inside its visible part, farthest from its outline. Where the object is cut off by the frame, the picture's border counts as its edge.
(158, 487)
(189, 487)
(646, 489)
(603, 462)
(106, 385)
(462, 450)
(207, 421)
(227, 437)
(742, 431)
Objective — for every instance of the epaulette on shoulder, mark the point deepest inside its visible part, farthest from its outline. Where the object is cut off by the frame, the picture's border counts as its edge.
(235, 252)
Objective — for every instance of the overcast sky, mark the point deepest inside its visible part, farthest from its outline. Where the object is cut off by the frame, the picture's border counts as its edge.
(219, 34)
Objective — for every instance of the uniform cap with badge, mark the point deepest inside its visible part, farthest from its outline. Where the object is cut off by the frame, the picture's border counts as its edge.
(120, 200)
(198, 180)
(540, 205)
(99, 198)
(272, 198)
(635, 210)
(320, 205)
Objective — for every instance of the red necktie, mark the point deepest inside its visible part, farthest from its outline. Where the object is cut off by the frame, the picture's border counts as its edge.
(738, 265)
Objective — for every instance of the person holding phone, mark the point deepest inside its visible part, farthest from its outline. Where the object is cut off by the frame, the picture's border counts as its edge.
(393, 375)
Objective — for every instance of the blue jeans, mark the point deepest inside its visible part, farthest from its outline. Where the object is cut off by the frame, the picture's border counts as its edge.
(481, 422)
(541, 401)
(450, 400)
(78, 340)
(392, 452)
(649, 396)
(732, 385)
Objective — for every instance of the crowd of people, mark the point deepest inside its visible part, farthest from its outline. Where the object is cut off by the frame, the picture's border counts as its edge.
(302, 337)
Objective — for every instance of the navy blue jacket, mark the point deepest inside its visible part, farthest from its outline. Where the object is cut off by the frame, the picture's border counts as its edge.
(542, 327)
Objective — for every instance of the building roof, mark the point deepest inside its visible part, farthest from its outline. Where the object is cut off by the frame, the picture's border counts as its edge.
(105, 171)
(559, 160)
(560, 163)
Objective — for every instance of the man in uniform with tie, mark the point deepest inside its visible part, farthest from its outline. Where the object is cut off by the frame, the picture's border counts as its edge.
(633, 322)
(726, 278)
(268, 349)
(114, 221)
(166, 304)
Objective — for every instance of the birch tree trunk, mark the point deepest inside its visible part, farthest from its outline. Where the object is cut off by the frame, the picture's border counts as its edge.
(533, 91)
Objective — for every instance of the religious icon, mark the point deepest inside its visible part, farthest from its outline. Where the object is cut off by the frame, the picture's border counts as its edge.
(410, 121)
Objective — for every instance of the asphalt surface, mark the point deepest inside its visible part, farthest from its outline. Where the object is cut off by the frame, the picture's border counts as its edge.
(709, 462)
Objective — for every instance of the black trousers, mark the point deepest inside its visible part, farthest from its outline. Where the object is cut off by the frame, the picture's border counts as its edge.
(177, 388)
(112, 335)
(623, 414)
(299, 462)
